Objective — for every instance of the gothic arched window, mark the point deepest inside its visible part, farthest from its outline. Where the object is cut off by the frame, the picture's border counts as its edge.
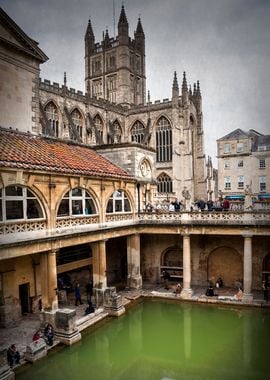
(99, 125)
(117, 133)
(118, 202)
(53, 117)
(163, 140)
(137, 132)
(164, 183)
(19, 202)
(77, 202)
(77, 121)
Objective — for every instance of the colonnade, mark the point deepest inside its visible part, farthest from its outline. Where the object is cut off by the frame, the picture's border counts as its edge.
(48, 269)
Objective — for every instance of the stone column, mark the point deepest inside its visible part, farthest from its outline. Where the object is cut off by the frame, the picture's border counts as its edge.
(52, 281)
(99, 265)
(187, 291)
(248, 296)
(44, 281)
(134, 279)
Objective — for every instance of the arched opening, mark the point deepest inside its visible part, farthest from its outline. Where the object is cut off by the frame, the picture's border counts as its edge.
(77, 202)
(225, 262)
(266, 269)
(172, 261)
(164, 140)
(77, 121)
(52, 115)
(164, 184)
(118, 202)
(137, 132)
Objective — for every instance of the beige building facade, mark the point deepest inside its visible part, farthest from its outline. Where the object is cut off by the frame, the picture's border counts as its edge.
(244, 164)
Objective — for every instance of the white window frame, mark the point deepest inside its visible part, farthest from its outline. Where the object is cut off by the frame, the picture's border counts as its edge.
(227, 183)
(240, 182)
(227, 148)
(262, 163)
(262, 184)
(119, 196)
(81, 198)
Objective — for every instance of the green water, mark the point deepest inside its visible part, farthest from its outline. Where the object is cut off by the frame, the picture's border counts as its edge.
(162, 340)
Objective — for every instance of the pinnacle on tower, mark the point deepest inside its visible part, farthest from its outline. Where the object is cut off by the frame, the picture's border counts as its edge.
(89, 39)
(194, 90)
(198, 89)
(123, 37)
(184, 83)
(106, 39)
(139, 29)
(123, 17)
(65, 79)
(89, 31)
(190, 91)
(175, 82)
(184, 89)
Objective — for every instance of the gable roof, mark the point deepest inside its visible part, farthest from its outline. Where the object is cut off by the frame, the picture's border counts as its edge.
(17, 39)
(236, 134)
(26, 151)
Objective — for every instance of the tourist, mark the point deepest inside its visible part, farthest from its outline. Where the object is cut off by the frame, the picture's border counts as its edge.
(237, 297)
(13, 356)
(171, 207)
(166, 277)
(78, 294)
(90, 308)
(178, 289)
(37, 336)
(265, 290)
(225, 205)
(89, 290)
(49, 334)
(219, 283)
(210, 290)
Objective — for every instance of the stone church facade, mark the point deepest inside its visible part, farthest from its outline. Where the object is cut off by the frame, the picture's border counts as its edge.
(164, 139)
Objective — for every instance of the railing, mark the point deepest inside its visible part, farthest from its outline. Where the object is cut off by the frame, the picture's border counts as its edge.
(24, 226)
(76, 221)
(84, 223)
(207, 217)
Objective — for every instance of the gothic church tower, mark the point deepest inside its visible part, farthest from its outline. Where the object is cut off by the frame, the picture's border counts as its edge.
(115, 68)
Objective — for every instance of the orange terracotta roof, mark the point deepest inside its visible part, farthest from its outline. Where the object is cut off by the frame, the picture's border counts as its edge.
(26, 151)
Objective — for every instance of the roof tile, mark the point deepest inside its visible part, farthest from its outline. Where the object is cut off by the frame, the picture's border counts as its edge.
(48, 154)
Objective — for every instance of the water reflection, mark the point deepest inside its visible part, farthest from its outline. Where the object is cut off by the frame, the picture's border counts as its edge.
(166, 340)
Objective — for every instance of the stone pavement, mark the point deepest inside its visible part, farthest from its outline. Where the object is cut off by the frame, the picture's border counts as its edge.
(22, 334)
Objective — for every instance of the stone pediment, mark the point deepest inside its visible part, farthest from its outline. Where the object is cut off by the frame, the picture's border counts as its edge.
(13, 36)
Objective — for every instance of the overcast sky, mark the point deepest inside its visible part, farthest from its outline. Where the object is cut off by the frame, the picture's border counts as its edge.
(225, 44)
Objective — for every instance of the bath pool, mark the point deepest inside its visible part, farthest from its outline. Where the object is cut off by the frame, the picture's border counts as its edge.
(159, 339)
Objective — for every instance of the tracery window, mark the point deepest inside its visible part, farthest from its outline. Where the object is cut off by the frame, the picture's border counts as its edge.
(137, 132)
(77, 121)
(17, 202)
(53, 117)
(164, 183)
(99, 125)
(77, 202)
(118, 202)
(117, 134)
(164, 140)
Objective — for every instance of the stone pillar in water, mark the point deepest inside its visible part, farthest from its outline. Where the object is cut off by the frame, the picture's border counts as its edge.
(187, 291)
(5, 372)
(99, 264)
(113, 303)
(134, 280)
(247, 296)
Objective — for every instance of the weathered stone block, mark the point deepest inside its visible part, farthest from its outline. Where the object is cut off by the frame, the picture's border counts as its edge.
(36, 350)
(66, 329)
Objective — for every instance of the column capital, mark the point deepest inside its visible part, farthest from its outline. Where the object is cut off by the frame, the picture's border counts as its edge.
(247, 235)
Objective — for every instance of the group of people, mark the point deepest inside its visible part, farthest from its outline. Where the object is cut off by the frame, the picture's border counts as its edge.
(14, 356)
(210, 292)
(48, 335)
(198, 205)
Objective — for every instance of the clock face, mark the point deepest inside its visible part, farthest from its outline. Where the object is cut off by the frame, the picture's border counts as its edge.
(145, 169)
